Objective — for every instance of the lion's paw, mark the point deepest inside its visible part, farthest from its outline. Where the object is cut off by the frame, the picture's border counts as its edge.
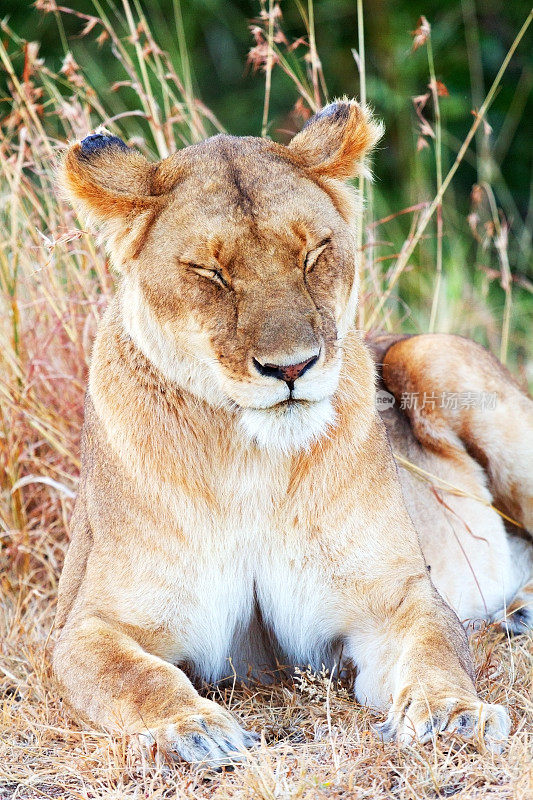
(423, 718)
(517, 618)
(210, 737)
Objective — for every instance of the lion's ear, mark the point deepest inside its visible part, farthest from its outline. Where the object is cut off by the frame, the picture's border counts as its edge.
(105, 179)
(111, 185)
(335, 141)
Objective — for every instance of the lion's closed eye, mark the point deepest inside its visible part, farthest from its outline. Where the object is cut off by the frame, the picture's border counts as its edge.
(313, 255)
(214, 275)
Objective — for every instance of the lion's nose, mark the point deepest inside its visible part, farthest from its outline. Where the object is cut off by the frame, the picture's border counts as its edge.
(286, 372)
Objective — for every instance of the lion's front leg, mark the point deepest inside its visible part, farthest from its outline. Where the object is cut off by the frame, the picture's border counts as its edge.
(412, 652)
(109, 678)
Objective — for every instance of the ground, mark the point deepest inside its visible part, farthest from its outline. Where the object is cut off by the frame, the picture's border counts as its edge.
(316, 741)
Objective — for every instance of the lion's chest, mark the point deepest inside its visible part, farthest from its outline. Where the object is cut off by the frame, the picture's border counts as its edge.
(234, 589)
(228, 583)
(250, 603)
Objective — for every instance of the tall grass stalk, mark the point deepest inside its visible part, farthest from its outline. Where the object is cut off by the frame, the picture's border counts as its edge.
(438, 164)
(268, 67)
(500, 243)
(313, 56)
(361, 181)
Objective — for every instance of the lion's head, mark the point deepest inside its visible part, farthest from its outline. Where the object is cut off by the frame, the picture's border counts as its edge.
(238, 263)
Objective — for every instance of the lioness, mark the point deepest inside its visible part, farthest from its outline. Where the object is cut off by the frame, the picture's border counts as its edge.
(239, 498)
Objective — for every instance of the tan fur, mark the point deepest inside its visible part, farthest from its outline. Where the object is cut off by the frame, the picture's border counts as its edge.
(227, 519)
(484, 450)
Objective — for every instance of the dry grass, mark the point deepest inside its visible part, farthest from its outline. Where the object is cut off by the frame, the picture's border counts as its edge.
(54, 285)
